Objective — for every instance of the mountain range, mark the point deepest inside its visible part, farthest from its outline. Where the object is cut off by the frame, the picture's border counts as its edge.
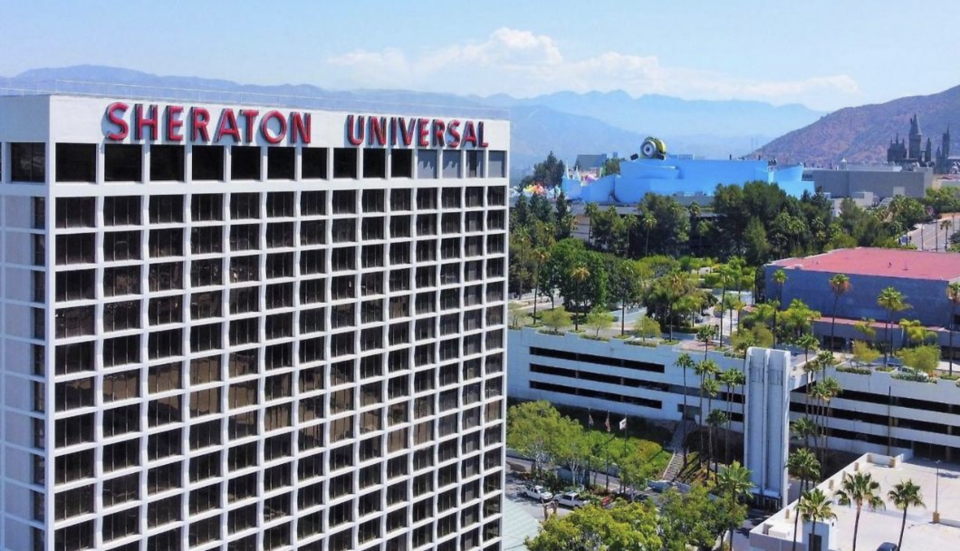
(862, 134)
(566, 123)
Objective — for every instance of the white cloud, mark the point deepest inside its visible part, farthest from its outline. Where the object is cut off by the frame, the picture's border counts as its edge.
(521, 63)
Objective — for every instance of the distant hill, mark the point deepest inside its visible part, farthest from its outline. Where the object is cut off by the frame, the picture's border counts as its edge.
(862, 134)
(566, 123)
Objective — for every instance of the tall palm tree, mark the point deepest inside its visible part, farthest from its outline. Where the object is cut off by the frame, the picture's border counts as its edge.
(684, 362)
(710, 387)
(830, 389)
(945, 225)
(732, 378)
(807, 342)
(905, 495)
(814, 507)
(734, 482)
(649, 223)
(859, 489)
(580, 275)
(811, 369)
(802, 464)
(892, 301)
(725, 279)
(779, 277)
(805, 429)
(541, 256)
(702, 369)
(715, 420)
(591, 210)
(705, 335)
(953, 295)
(839, 285)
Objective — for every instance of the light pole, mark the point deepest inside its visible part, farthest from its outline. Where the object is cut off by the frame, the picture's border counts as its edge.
(936, 499)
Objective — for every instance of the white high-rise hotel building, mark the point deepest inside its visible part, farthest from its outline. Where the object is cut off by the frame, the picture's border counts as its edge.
(249, 328)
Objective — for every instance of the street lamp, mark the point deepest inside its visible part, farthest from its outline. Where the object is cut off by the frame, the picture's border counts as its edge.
(936, 498)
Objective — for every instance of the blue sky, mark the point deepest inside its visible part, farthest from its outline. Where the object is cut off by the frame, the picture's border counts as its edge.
(824, 54)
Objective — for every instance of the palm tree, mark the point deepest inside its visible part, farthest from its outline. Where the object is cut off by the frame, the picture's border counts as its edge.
(649, 223)
(715, 420)
(859, 489)
(953, 295)
(732, 378)
(725, 273)
(810, 369)
(805, 429)
(705, 335)
(702, 369)
(779, 277)
(802, 464)
(734, 482)
(945, 226)
(905, 495)
(814, 507)
(827, 389)
(806, 342)
(541, 255)
(580, 275)
(839, 285)
(711, 387)
(684, 362)
(694, 219)
(892, 301)
(591, 210)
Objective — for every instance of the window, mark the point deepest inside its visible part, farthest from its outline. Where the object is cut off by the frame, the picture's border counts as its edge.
(344, 162)
(121, 351)
(207, 162)
(164, 310)
(75, 248)
(245, 237)
(166, 277)
(280, 163)
(122, 162)
(244, 268)
(206, 207)
(74, 358)
(313, 203)
(450, 198)
(426, 163)
(206, 272)
(166, 209)
(164, 243)
(314, 163)
(76, 162)
(120, 316)
(280, 234)
(401, 163)
(374, 163)
(497, 166)
(121, 211)
(344, 202)
(474, 164)
(451, 163)
(245, 162)
(312, 232)
(75, 285)
(28, 162)
(166, 163)
(206, 239)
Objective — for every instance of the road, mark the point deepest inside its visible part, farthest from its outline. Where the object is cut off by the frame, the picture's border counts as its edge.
(929, 237)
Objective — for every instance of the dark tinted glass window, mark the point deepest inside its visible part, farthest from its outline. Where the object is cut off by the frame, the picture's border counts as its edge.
(122, 162)
(314, 163)
(344, 163)
(121, 211)
(206, 207)
(166, 163)
(244, 205)
(28, 162)
(165, 209)
(76, 212)
(375, 163)
(313, 203)
(207, 162)
(280, 163)
(76, 162)
(401, 163)
(245, 163)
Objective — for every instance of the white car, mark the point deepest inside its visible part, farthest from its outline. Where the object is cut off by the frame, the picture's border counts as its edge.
(570, 499)
(537, 492)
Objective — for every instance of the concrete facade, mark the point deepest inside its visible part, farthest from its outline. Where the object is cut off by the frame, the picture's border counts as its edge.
(285, 345)
(882, 183)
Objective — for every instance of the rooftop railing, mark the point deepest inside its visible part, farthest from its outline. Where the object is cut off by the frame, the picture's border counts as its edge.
(334, 101)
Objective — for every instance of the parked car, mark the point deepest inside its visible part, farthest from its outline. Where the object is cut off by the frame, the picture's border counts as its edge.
(887, 546)
(538, 493)
(911, 374)
(570, 499)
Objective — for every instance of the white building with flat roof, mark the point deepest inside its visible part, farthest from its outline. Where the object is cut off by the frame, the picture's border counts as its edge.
(241, 327)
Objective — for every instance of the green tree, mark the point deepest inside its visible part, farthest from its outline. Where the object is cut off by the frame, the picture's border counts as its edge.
(541, 256)
(859, 489)
(532, 429)
(564, 218)
(839, 286)
(599, 320)
(922, 358)
(865, 328)
(798, 319)
(815, 507)
(804, 429)
(684, 362)
(905, 495)
(802, 464)
(953, 295)
(734, 483)
(704, 369)
(891, 300)
(611, 166)
(624, 527)
(556, 319)
(689, 520)
(518, 318)
(626, 285)
(806, 342)
(647, 328)
(732, 379)
(580, 274)
(705, 335)
(863, 353)
(715, 420)
(779, 278)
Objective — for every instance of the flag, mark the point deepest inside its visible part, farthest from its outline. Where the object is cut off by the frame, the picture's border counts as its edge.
(607, 424)
(623, 424)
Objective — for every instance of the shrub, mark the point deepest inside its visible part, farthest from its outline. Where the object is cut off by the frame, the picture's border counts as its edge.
(855, 370)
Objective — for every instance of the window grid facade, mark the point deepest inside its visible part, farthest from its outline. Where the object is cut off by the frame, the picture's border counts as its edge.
(289, 364)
